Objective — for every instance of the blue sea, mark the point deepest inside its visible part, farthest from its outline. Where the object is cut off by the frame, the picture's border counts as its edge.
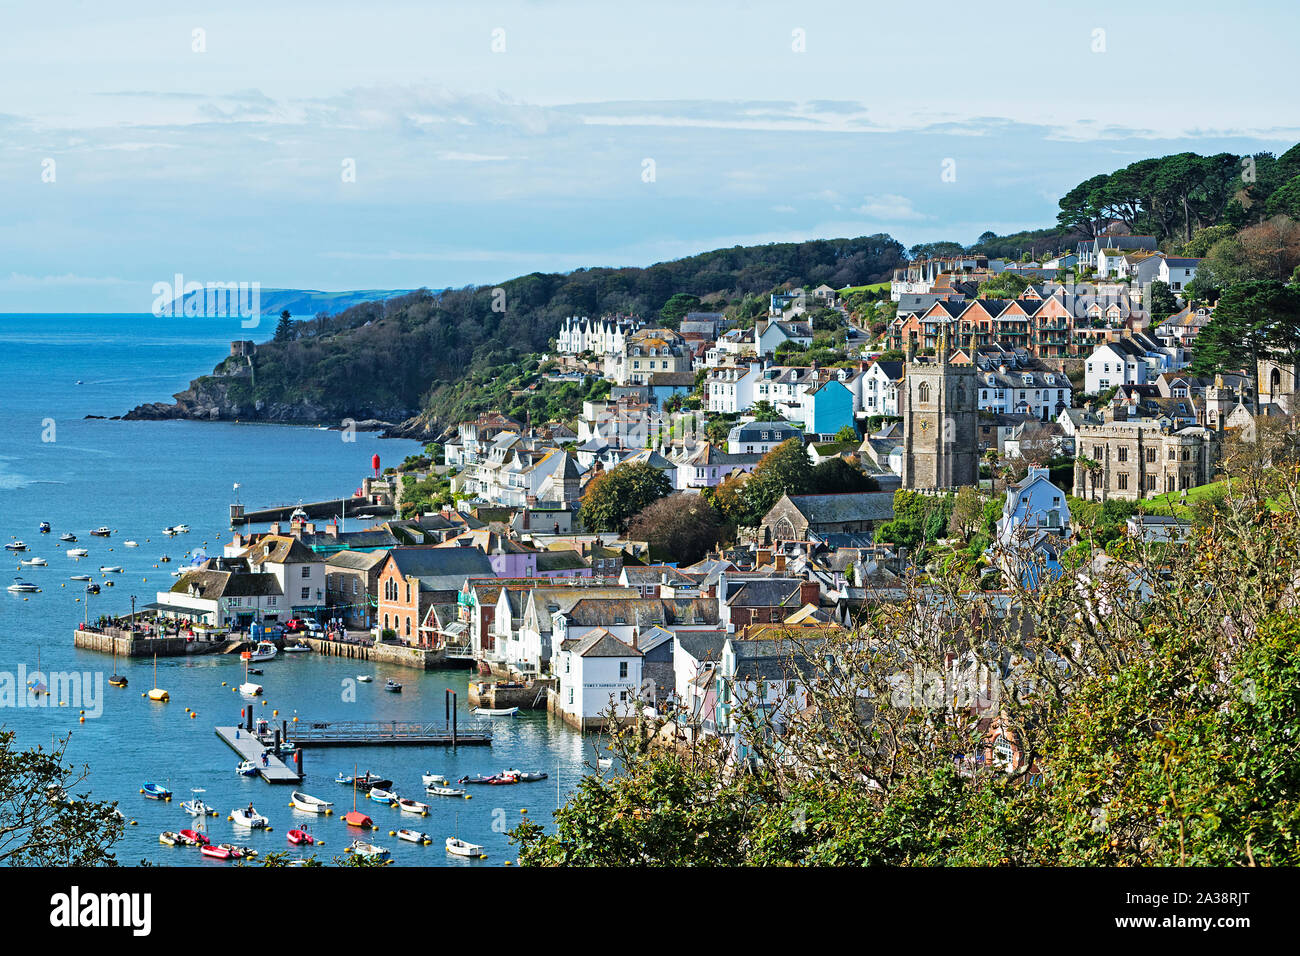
(140, 477)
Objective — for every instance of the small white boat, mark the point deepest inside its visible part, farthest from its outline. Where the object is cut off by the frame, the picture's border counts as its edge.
(444, 791)
(110, 569)
(406, 805)
(309, 804)
(296, 648)
(433, 779)
(34, 562)
(362, 848)
(249, 820)
(67, 536)
(249, 689)
(414, 836)
(23, 587)
(181, 528)
(130, 544)
(364, 678)
(461, 848)
(197, 808)
(496, 711)
(246, 768)
(77, 552)
(170, 532)
(527, 776)
(380, 795)
(81, 577)
(15, 546)
(264, 651)
(604, 763)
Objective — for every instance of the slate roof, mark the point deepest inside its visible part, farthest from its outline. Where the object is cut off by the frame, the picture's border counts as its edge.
(854, 506)
(219, 584)
(600, 643)
(283, 549)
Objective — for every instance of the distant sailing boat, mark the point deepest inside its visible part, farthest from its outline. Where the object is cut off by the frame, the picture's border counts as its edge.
(117, 680)
(38, 687)
(157, 693)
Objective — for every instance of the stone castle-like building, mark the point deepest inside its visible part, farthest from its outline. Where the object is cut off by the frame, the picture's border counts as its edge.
(937, 402)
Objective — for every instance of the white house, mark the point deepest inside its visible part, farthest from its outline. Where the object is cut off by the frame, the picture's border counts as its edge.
(730, 388)
(596, 672)
(768, 335)
(1115, 363)
(758, 438)
(298, 570)
(878, 388)
(1177, 271)
(1033, 504)
(1024, 391)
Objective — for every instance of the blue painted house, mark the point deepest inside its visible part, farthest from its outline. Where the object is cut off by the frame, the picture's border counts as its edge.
(1033, 530)
(828, 408)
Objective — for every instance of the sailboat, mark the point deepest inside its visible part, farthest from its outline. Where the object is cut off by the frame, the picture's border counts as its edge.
(248, 688)
(117, 680)
(37, 687)
(458, 847)
(157, 693)
(356, 818)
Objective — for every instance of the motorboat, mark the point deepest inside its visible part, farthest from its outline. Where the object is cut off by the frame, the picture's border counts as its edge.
(194, 838)
(35, 562)
(15, 546)
(392, 686)
(169, 531)
(131, 544)
(77, 552)
(81, 577)
(23, 587)
(362, 848)
(407, 805)
(414, 836)
(364, 678)
(67, 536)
(238, 852)
(156, 791)
(380, 795)
(250, 689)
(309, 804)
(296, 648)
(433, 779)
(181, 528)
(461, 848)
(301, 837)
(363, 781)
(197, 808)
(444, 791)
(92, 588)
(249, 818)
(496, 711)
(44, 527)
(102, 532)
(494, 780)
(168, 838)
(246, 768)
(110, 569)
(218, 852)
(264, 651)
(527, 776)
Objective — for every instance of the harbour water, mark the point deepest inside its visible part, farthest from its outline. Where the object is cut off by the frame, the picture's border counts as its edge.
(139, 477)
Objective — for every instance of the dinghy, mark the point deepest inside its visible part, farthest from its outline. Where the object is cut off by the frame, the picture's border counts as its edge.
(301, 838)
(216, 852)
(527, 776)
(392, 686)
(194, 838)
(249, 819)
(407, 805)
(414, 836)
(362, 848)
(364, 678)
(461, 848)
(156, 791)
(168, 838)
(380, 795)
(309, 804)
(496, 711)
(444, 791)
(495, 780)
(433, 780)
(77, 552)
(238, 852)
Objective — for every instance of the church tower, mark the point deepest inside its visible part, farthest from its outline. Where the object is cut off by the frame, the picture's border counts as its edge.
(939, 410)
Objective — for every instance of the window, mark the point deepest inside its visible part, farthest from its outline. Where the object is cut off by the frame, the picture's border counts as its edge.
(622, 670)
(306, 593)
(923, 392)
(1151, 456)
(306, 570)
(1122, 454)
(1121, 481)
(1151, 482)
(622, 697)
(570, 695)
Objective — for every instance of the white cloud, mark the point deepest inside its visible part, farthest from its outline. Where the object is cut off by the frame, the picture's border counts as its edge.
(888, 207)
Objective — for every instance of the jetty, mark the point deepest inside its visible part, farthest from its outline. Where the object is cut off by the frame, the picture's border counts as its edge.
(312, 509)
(250, 747)
(366, 733)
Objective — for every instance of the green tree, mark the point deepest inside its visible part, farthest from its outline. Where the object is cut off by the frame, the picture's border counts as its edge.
(835, 476)
(785, 470)
(682, 527)
(677, 306)
(1253, 320)
(613, 498)
(284, 328)
(1162, 303)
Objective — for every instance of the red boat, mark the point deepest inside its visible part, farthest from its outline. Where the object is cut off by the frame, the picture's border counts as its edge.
(297, 837)
(356, 818)
(217, 852)
(194, 838)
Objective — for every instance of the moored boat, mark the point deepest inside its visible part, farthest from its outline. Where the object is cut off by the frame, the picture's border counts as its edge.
(111, 569)
(433, 779)
(365, 678)
(168, 838)
(248, 818)
(414, 836)
(67, 536)
(527, 776)
(461, 848)
(217, 852)
(23, 587)
(156, 791)
(102, 532)
(380, 795)
(246, 768)
(444, 791)
(392, 686)
(34, 562)
(77, 552)
(238, 852)
(197, 808)
(496, 711)
(44, 527)
(355, 818)
(362, 848)
(495, 780)
(309, 804)
(407, 805)
(15, 546)
(264, 651)
(194, 838)
(250, 689)
(301, 838)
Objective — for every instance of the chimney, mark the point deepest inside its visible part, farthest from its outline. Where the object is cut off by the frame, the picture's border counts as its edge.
(275, 527)
(332, 529)
(310, 527)
(635, 638)
(810, 593)
(779, 560)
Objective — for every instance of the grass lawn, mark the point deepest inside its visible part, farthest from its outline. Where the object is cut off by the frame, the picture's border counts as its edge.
(874, 287)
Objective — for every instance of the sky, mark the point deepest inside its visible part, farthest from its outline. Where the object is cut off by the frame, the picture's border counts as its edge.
(336, 146)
